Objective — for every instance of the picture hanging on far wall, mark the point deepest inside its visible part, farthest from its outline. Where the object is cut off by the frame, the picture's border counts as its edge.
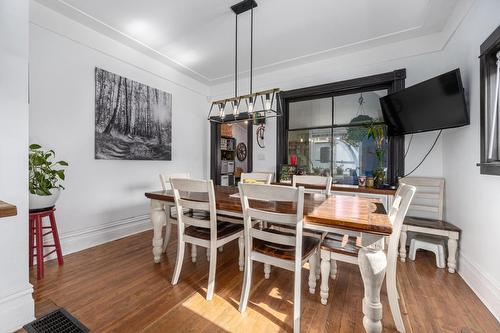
(133, 121)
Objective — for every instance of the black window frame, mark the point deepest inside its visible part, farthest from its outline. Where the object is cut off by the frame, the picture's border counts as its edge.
(488, 50)
(391, 81)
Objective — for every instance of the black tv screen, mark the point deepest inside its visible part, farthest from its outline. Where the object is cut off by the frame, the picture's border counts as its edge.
(434, 104)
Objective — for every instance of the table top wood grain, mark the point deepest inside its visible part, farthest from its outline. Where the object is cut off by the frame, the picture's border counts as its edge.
(336, 211)
(7, 209)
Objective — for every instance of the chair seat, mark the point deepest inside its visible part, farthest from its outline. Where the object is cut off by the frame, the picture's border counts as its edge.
(430, 223)
(283, 251)
(343, 244)
(224, 229)
(189, 212)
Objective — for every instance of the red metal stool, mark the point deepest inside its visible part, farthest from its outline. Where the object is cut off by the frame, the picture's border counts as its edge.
(36, 234)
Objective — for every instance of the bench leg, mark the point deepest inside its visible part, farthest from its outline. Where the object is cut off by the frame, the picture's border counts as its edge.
(452, 254)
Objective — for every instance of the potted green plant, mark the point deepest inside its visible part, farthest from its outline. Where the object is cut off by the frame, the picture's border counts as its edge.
(377, 132)
(44, 178)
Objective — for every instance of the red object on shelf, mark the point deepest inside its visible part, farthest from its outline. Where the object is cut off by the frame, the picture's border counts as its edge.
(293, 160)
(36, 234)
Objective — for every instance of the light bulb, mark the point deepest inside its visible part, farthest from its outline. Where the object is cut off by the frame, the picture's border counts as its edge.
(268, 102)
(221, 110)
(250, 104)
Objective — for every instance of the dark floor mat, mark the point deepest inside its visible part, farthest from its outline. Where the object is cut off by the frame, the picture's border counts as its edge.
(58, 321)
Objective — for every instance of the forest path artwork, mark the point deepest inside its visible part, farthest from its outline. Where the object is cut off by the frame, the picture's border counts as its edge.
(132, 120)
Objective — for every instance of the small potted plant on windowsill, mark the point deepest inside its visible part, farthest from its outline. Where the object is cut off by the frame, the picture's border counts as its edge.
(44, 179)
(377, 133)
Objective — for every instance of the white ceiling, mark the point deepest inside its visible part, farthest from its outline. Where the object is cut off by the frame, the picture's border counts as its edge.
(197, 36)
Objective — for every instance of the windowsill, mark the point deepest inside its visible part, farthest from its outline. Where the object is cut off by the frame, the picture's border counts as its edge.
(7, 209)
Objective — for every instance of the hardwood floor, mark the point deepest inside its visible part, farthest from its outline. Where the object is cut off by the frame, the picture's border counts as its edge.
(116, 287)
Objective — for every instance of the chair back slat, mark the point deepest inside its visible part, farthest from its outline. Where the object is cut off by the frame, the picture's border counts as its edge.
(257, 214)
(197, 222)
(191, 204)
(325, 182)
(273, 237)
(165, 179)
(275, 193)
(428, 199)
(261, 177)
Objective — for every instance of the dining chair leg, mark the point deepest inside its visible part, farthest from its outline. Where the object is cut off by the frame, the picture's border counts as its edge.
(296, 295)
(241, 259)
(211, 272)
(392, 294)
(247, 282)
(325, 273)
(333, 269)
(194, 253)
(313, 263)
(181, 245)
(267, 271)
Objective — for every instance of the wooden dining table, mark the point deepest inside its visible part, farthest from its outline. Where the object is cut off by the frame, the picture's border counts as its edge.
(354, 216)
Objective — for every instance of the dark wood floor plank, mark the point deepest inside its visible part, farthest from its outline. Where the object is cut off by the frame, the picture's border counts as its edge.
(116, 287)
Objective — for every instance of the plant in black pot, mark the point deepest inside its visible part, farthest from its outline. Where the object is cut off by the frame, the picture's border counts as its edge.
(45, 176)
(377, 132)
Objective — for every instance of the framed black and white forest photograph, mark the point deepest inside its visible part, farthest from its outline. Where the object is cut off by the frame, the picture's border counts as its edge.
(133, 121)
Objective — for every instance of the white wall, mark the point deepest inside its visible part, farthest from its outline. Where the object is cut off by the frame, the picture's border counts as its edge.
(471, 198)
(104, 199)
(16, 302)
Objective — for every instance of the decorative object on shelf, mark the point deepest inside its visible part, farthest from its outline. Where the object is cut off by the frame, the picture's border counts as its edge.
(44, 179)
(377, 132)
(287, 172)
(369, 182)
(362, 181)
(133, 121)
(260, 135)
(255, 106)
(241, 151)
(293, 160)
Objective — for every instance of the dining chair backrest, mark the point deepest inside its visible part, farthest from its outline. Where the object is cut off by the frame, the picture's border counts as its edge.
(257, 177)
(199, 195)
(323, 181)
(165, 179)
(429, 197)
(292, 198)
(397, 213)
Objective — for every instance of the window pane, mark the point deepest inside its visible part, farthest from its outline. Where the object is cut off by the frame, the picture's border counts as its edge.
(354, 154)
(358, 108)
(313, 150)
(311, 113)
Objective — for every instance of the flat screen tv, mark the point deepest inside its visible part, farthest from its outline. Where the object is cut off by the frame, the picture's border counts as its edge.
(437, 103)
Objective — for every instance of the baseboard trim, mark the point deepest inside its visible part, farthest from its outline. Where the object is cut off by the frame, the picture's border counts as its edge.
(86, 238)
(481, 284)
(17, 309)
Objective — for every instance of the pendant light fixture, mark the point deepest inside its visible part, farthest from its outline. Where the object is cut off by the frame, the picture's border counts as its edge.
(254, 105)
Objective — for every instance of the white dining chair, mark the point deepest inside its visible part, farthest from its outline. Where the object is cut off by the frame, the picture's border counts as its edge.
(270, 246)
(257, 177)
(202, 230)
(324, 183)
(344, 248)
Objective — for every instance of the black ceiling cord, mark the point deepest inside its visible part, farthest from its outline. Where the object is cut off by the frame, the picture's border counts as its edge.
(422, 161)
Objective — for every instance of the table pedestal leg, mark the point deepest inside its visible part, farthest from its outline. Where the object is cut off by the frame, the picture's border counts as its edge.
(402, 245)
(158, 218)
(372, 264)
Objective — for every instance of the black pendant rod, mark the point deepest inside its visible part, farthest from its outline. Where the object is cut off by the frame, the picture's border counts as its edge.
(251, 48)
(236, 59)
